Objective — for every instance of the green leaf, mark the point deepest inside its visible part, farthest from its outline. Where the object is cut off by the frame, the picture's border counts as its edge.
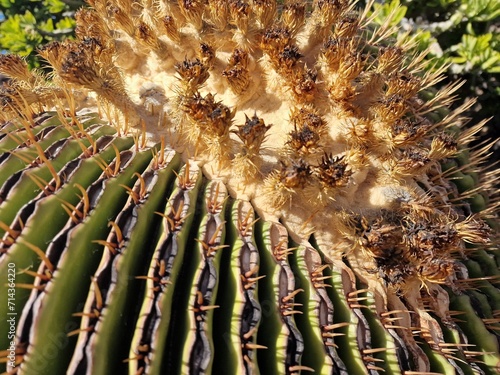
(54, 6)
(392, 10)
(66, 23)
(481, 10)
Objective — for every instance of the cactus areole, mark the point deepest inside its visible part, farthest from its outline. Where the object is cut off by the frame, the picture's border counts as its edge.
(241, 187)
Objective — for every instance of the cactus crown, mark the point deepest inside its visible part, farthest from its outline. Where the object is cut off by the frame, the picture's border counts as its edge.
(328, 126)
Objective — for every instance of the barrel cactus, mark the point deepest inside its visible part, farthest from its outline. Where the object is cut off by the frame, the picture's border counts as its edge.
(236, 187)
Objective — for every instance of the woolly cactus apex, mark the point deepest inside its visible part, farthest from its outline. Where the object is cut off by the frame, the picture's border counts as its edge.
(242, 187)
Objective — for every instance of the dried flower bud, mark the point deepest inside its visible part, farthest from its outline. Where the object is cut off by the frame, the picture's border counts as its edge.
(196, 106)
(425, 239)
(383, 239)
(474, 231)
(52, 53)
(437, 270)
(15, 97)
(287, 58)
(327, 11)
(211, 117)
(309, 117)
(335, 50)
(391, 109)
(412, 160)
(407, 130)
(220, 120)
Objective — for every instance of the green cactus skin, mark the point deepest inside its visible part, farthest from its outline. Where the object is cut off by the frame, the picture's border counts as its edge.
(231, 187)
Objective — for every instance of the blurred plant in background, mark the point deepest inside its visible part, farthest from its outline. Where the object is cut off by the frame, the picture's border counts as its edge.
(462, 34)
(27, 24)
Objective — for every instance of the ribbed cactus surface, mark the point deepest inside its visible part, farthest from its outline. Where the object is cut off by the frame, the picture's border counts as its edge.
(242, 187)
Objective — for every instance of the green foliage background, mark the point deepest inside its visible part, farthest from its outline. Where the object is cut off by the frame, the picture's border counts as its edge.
(463, 34)
(27, 24)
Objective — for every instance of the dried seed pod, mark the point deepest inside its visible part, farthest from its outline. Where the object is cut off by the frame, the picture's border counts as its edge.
(443, 146)
(304, 85)
(239, 57)
(403, 84)
(327, 12)
(238, 78)
(220, 120)
(408, 130)
(293, 16)
(412, 160)
(347, 26)
(265, 10)
(146, 36)
(89, 64)
(383, 240)
(90, 25)
(252, 133)
(211, 119)
(333, 171)
(236, 73)
(193, 74)
(239, 12)
(15, 67)
(122, 20)
(206, 54)
(171, 28)
(335, 50)
(192, 10)
(219, 12)
(308, 116)
(197, 106)
(389, 59)
(424, 238)
(391, 108)
(295, 175)
(383, 215)
(274, 40)
(304, 140)
(287, 58)
(437, 270)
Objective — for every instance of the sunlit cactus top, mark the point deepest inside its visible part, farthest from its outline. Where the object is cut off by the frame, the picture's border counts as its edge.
(318, 118)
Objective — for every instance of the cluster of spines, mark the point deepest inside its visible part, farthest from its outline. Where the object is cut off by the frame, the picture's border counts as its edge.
(428, 237)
